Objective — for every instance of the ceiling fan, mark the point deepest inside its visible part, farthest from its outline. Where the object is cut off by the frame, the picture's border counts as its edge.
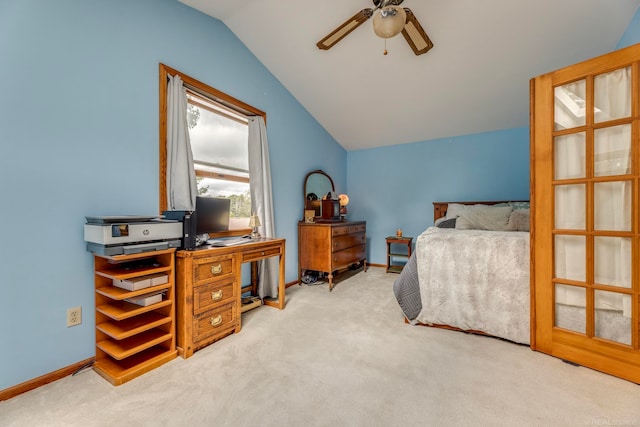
(388, 20)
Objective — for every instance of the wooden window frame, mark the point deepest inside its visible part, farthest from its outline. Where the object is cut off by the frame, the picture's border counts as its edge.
(205, 90)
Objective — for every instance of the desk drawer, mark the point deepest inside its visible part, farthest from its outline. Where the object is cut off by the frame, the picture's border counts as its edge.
(348, 241)
(213, 322)
(206, 297)
(260, 254)
(348, 256)
(212, 267)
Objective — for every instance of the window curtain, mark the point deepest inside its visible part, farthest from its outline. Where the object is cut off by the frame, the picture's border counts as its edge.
(181, 176)
(262, 201)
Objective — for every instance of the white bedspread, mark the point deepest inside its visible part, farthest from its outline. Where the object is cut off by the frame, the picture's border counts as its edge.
(475, 280)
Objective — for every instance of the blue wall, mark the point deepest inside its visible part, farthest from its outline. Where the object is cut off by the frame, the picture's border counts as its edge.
(79, 121)
(395, 187)
(632, 33)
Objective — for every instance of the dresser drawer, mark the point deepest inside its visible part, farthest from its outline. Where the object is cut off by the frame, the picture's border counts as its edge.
(208, 296)
(347, 241)
(348, 256)
(212, 267)
(213, 322)
(348, 229)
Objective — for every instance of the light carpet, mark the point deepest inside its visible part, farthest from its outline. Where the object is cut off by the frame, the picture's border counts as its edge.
(340, 358)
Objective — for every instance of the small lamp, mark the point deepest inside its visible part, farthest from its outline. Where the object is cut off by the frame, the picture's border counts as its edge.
(254, 223)
(344, 201)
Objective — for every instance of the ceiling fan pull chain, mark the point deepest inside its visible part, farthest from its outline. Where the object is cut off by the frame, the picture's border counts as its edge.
(385, 46)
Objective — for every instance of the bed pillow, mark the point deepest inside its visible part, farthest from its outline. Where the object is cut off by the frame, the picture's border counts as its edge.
(519, 220)
(483, 217)
(454, 210)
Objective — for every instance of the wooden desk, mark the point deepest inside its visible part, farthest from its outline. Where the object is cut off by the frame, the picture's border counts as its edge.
(209, 289)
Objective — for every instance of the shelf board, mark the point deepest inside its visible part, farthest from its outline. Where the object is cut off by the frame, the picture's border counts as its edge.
(395, 268)
(120, 310)
(405, 255)
(117, 293)
(141, 255)
(118, 372)
(133, 326)
(129, 346)
(121, 274)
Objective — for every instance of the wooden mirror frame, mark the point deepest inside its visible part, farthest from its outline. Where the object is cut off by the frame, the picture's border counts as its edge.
(315, 204)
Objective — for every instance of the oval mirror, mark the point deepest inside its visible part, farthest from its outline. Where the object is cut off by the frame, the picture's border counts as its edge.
(316, 185)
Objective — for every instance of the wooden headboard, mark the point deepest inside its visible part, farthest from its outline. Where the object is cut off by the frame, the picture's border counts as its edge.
(440, 208)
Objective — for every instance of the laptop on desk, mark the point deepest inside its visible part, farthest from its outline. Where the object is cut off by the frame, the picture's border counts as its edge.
(233, 241)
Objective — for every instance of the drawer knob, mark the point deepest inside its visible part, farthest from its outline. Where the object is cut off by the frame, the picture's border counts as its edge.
(216, 321)
(262, 253)
(216, 269)
(216, 295)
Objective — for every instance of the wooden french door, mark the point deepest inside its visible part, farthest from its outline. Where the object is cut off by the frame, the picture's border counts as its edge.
(585, 233)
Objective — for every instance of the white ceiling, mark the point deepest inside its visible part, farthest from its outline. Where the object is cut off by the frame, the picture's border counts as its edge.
(475, 79)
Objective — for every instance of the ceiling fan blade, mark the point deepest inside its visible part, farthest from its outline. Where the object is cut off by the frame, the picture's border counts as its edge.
(415, 35)
(348, 26)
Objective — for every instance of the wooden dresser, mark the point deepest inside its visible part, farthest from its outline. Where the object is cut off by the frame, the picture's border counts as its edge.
(331, 246)
(209, 287)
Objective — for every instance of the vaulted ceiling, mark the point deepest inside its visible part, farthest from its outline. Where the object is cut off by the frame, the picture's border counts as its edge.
(475, 79)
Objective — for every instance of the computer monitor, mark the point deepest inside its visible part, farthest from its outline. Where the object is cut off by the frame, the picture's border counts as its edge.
(212, 214)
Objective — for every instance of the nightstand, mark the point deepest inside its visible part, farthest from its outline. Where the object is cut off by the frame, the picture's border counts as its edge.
(397, 242)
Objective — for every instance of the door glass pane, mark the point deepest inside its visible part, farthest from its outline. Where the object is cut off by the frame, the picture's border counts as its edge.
(613, 316)
(570, 207)
(612, 205)
(569, 156)
(612, 261)
(570, 308)
(612, 148)
(612, 95)
(570, 257)
(569, 105)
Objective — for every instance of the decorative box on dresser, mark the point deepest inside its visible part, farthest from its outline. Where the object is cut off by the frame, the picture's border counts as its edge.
(331, 246)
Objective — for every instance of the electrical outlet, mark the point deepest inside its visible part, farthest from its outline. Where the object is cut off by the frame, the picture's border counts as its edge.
(74, 316)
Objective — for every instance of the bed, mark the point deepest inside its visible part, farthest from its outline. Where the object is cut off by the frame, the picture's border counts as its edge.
(473, 276)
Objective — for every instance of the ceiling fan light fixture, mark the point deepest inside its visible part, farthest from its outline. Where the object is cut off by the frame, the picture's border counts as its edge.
(389, 21)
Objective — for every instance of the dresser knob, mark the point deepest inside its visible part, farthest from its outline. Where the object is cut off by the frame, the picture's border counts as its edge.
(216, 321)
(216, 269)
(262, 253)
(216, 295)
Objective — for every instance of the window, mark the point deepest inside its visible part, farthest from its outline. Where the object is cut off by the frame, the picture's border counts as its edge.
(218, 130)
(219, 138)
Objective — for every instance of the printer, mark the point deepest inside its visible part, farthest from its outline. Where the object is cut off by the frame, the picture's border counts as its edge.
(130, 234)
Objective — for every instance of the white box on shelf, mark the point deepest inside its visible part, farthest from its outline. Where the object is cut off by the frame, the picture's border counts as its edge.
(158, 279)
(133, 284)
(146, 299)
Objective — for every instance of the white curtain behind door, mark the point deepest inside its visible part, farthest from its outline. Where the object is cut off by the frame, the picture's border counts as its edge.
(611, 202)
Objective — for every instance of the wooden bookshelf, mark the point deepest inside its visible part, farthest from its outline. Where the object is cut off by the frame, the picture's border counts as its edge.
(133, 339)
